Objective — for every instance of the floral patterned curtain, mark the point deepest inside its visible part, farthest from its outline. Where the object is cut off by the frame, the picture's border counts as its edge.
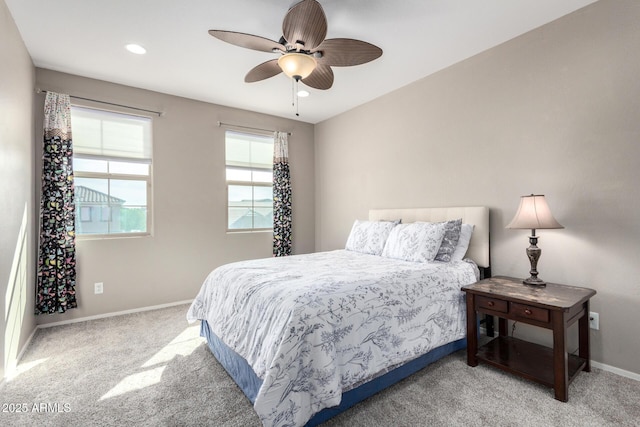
(55, 291)
(281, 196)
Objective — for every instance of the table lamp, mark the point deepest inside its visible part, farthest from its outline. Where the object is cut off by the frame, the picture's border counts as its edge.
(533, 213)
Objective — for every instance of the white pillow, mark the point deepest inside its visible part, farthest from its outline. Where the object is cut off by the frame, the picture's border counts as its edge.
(463, 242)
(369, 237)
(416, 242)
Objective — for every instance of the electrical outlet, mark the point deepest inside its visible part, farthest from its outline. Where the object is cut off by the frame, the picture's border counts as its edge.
(594, 320)
(98, 287)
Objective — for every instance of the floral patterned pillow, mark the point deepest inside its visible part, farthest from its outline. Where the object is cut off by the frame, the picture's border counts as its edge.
(463, 243)
(450, 240)
(416, 242)
(369, 237)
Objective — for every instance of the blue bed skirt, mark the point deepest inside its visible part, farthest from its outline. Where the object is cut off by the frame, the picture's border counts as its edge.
(238, 368)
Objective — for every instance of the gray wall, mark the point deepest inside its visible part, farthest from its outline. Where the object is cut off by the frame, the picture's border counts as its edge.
(189, 202)
(552, 112)
(17, 238)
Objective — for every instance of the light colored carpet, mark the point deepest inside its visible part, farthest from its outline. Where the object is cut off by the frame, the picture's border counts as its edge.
(153, 369)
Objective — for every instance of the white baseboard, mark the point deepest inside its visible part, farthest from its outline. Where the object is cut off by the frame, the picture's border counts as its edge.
(117, 313)
(614, 370)
(9, 372)
(603, 366)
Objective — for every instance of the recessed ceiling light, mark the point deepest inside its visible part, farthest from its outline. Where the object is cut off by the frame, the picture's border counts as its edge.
(303, 93)
(136, 48)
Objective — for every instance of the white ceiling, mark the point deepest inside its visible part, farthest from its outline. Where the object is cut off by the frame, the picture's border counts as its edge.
(418, 37)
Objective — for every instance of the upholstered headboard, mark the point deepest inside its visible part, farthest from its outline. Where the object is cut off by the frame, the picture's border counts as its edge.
(477, 215)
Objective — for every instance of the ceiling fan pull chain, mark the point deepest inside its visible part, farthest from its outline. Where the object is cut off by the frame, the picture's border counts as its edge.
(297, 99)
(293, 88)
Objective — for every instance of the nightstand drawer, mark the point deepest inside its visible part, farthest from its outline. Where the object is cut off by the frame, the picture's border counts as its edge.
(492, 304)
(524, 312)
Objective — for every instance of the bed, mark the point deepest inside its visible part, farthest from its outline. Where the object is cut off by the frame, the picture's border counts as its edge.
(308, 336)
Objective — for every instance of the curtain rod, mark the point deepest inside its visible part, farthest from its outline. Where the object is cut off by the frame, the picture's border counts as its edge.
(246, 127)
(159, 113)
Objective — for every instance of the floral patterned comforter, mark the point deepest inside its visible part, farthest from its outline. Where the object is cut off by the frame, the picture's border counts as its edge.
(314, 326)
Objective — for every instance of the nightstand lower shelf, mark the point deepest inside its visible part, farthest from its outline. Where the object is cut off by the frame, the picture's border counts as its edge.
(529, 360)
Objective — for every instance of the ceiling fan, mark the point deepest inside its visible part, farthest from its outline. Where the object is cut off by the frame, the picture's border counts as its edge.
(305, 54)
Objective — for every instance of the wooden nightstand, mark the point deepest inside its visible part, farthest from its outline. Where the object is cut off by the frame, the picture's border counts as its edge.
(554, 307)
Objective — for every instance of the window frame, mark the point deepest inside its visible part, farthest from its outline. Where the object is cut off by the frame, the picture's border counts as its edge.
(109, 176)
(250, 184)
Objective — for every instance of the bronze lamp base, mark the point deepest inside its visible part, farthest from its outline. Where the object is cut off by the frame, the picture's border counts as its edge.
(533, 253)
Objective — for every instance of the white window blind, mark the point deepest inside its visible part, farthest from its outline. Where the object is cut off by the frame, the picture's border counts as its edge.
(111, 135)
(249, 151)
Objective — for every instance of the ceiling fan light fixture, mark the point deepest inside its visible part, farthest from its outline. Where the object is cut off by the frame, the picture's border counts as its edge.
(297, 65)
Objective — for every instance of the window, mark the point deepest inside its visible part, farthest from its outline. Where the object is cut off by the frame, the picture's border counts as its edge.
(85, 213)
(249, 160)
(112, 172)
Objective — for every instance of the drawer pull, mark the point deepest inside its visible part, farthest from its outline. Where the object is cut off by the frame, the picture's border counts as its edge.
(492, 304)
(527, 312)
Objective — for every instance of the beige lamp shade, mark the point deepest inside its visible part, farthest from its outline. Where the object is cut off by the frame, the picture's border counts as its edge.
(534, 213)
(297, 65)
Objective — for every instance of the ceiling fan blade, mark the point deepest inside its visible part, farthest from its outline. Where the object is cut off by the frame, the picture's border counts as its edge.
(247, 40)
(263, 71)
(321, 78)
(305, 22)
(346, 52)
